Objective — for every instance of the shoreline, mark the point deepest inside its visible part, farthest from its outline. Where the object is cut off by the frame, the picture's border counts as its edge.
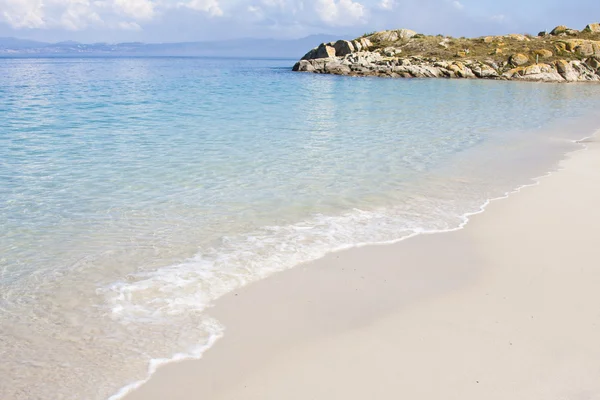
(584, 123)
(228, 308)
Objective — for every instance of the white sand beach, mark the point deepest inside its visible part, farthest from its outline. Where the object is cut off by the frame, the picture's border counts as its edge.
(506, 308)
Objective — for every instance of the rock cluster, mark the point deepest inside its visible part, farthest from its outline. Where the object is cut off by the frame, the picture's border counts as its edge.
(392, 54)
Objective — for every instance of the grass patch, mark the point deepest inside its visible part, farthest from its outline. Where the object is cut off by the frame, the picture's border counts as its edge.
(494, 48)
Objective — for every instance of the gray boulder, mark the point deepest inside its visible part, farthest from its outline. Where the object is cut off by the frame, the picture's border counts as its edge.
(366, 44)
(559, 30)
(406, 33)
(593, 63)
(343, 47)
(392, 35)
(519, 59)
(336, 67)
(584, 72)
(384, 36)
(484, 71)
(310, 55)
(541, 72)
(303, 66)
(566, 70)
(325, 51)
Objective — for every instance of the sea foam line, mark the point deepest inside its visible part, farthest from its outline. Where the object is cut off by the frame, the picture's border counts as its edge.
(154, 364)
(217, 330)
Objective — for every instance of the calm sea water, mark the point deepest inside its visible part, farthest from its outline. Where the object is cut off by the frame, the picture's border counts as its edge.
(135, 192)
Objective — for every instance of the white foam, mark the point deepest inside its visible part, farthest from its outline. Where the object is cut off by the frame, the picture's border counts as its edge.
(196, 283)
(196, 353)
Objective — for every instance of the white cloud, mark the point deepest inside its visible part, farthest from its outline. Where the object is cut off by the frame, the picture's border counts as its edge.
(136, 9)
(274, 3)
(211, 7)
(256, 13)
(81, 14)
(341, 13)
(212, 19)
(387, 4)
(78, 15)
(22, 13)
(281, 15)
(458, 5)
(129, 26)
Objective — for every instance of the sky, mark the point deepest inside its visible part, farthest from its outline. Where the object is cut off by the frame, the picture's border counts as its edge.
(199, 20)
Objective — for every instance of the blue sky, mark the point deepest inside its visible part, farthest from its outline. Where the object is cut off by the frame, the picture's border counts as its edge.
(195, 20)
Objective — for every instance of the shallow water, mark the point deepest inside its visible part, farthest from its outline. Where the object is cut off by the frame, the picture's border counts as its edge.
(134, 192)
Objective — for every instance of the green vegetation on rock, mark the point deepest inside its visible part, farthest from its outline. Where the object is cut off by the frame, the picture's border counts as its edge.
(498, 48)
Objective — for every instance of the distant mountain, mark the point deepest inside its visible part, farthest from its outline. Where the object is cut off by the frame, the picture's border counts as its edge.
(259, 48)
(14, 43)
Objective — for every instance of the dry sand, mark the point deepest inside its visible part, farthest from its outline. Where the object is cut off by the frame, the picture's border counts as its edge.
(507, 308)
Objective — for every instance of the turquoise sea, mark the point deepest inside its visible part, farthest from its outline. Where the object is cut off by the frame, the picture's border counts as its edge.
(134, 192)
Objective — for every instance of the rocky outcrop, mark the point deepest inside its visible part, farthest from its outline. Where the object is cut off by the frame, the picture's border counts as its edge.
(370, 64)
(562, 30)
(519, 37)
(564, 55)
(583, 47)
(392, 36)
(536, 72)
(558, 30)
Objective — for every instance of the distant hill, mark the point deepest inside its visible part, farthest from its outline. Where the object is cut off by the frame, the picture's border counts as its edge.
(257, 48)
(14, 43)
